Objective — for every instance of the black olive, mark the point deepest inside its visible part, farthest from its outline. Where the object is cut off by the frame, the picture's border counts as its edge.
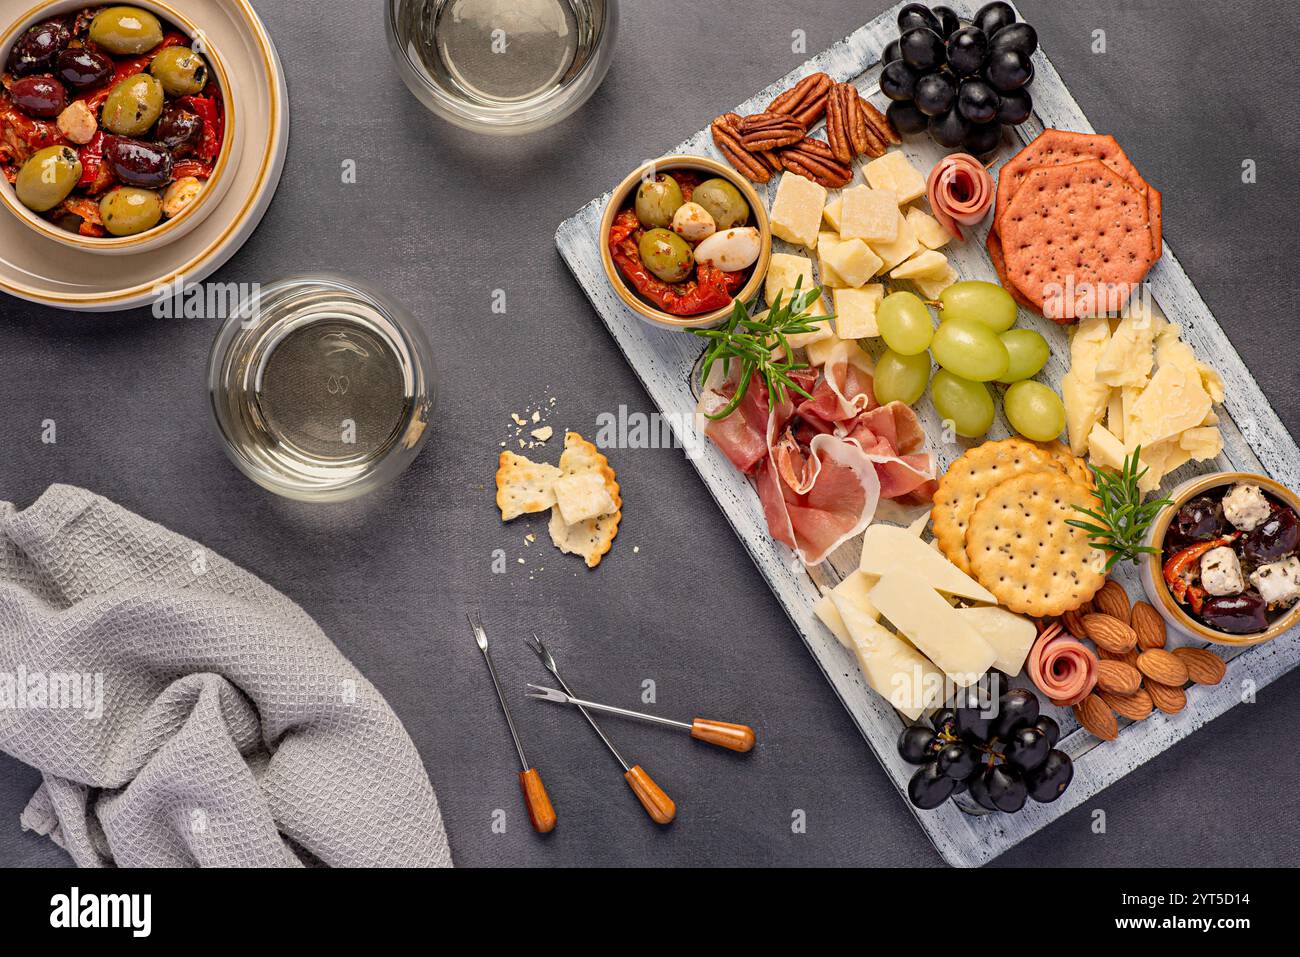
(1200, 519)
(179, 129)
(35, 50)
(138, 164)
(83, 68)
(1276, 537)
(1243, 614)
(39, 96)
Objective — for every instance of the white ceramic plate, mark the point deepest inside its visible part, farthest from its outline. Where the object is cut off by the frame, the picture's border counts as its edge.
(41, 270)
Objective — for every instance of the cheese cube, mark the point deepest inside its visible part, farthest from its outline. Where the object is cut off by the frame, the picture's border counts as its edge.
(854, 261)
(928, 230)
(819, 353)
(869, 214)
(1104, 449)
(903, 246)
(855, 311)
(924, 265)
(931, 288)
(801, 340)
(892, 172)
(828, 240)
(832, 214)
(797, 210)
(783, 271)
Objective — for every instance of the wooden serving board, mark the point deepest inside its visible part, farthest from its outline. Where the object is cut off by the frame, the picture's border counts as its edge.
(1254, 441)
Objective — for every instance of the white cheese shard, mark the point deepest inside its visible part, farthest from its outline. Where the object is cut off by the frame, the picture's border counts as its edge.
(893, 669)
(933, 626)
(1085, 398)
(888, 547)
(1011, 635)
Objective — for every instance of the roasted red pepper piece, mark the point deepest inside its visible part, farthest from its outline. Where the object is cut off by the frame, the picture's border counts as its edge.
(189, 167)
(710, 289)
(1179, 570)
(92, 159)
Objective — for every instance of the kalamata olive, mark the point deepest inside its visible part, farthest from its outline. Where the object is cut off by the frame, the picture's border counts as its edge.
(35, 50)
(1201, 519)
(136, 163)
(41, 96)
(83, 68)
(1242, 614)
(1276, 537)
(179, 130)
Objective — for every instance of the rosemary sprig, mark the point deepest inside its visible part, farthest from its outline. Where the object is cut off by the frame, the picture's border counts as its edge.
(751, 341)
(1122, 518)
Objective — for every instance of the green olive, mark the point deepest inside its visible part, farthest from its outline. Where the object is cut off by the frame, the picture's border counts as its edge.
(180, 70)
(133, 106)
(126, 31)
(723, 201)
(656, 201)
(128, 210)
(666, 254)
(47, 178)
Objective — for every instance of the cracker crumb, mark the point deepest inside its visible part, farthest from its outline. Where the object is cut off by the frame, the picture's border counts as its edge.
(542, 434)
(537, 415)
(518, 419)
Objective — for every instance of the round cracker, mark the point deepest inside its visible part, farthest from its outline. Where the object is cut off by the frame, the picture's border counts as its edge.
(1078, 225)
(969, 479)
(1070, 463)
(1021, 548)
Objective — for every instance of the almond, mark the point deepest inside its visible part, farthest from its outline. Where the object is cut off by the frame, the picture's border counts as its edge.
(1203, 666)
(1148, 624)
(1128, 657)
(1163, 666)
(1109, 633)
(1135, 707)
(1167, 699)
(1095, 716)
(1073, 623)
(1112, 600)
(1118, 677)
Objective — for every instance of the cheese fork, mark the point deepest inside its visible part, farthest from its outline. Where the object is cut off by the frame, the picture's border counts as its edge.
(733, 737)
(657, 804)
(541, 813)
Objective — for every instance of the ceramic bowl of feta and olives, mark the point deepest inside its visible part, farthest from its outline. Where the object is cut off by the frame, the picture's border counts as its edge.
(682, 238)
(116, 126)
(1227, 565)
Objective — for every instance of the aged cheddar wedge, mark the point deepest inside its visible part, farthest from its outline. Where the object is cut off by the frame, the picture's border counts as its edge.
(1011, 635)
(868, 214)
(893, 669)
(887, 547)
(932, 625)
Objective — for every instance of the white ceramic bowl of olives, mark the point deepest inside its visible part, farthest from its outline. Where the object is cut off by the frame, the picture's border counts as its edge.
(73, 89)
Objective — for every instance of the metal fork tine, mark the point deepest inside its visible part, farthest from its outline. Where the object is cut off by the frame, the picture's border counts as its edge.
(547, 694)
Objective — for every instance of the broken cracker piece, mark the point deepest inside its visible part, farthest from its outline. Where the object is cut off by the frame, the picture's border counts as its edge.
(582, 496)
(591, 538)
(524, 485)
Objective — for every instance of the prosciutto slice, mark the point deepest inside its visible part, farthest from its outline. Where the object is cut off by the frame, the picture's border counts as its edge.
(822, 467)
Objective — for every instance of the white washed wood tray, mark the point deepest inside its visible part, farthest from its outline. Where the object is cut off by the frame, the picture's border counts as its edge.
(1254, 440)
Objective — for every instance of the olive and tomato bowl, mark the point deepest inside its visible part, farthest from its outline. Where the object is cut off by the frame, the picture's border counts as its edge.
(116, 124)
(619, 220)
(1191, 524)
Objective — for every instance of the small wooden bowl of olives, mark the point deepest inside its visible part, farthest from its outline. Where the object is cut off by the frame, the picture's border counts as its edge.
(682, 238)
(116, 124)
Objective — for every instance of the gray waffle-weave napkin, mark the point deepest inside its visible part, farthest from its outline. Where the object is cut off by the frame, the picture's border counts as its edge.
(183, 712)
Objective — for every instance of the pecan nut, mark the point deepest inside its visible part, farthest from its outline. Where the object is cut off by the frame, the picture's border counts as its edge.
(880, 124)
(805, 101)
(837, 125)
(862, 135)
(814, 160)
(758, 167)
(769, 131)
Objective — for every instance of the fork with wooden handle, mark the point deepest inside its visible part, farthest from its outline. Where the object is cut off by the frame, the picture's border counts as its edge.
(541, 813)
(657, 804)
(733, 737)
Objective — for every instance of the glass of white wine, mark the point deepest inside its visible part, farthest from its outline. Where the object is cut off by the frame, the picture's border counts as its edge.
(502, 66)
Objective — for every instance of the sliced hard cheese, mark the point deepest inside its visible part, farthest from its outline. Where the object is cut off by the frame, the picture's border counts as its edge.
(933, 626)
(932, 288)
(827, 240)
(903, 246)
(1104, 448)
(1085, 398)
(822, 330)
(893, 172)
(830, 617)
(819, 352)
(893, 669)
(1126, 357)
(832, 214)
(924, 265)
(853, 261)
(1011, 635)
(928, 230)
(784, 270)
(886, 547)
(1173, 402)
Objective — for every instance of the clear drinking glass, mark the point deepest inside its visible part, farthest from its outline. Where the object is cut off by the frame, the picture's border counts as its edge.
(321, 388)
(502, 66)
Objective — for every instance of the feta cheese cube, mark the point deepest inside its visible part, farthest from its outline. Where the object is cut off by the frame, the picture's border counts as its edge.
(869, 214)
(1278, 582)
(1245, 506)
(797, 210)
(1221, 572)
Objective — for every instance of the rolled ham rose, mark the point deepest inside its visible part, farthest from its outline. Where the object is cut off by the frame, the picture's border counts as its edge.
(1062, 668)
(960, 190)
